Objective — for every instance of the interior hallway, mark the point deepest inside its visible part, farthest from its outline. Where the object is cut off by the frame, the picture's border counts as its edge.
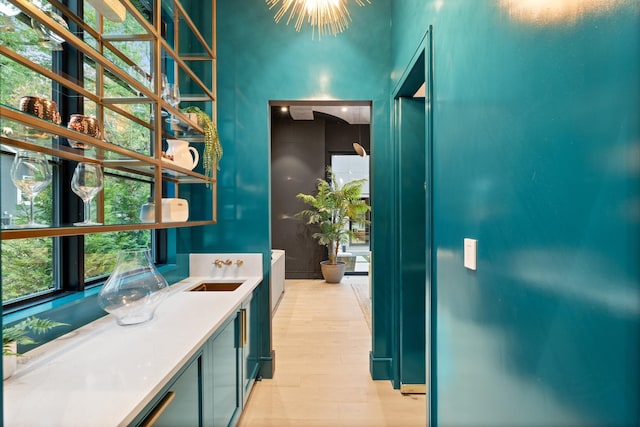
(322, 342)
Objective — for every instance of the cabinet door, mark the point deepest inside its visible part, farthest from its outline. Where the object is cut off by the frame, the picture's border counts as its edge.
(249, 359)
(223, 354)
(181, 404)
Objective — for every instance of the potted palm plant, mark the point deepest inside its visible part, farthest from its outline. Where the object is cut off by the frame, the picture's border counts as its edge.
(19, 334)
(333, 207)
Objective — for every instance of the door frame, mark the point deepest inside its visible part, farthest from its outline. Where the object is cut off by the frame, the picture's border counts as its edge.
(420, 69)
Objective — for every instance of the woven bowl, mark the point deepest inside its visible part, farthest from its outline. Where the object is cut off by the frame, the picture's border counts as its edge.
(40, 107)
(85, 124)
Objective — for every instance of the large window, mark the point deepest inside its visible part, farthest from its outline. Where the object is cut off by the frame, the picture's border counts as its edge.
(356, 253)
(41, 267)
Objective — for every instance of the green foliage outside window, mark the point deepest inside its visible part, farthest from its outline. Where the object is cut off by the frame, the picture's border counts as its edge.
(28, 265)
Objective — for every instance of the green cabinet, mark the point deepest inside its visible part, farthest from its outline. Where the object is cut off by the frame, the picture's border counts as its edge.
(248, 354)
(246, 362)
(212, 390)
(223, 405)
(181, 403)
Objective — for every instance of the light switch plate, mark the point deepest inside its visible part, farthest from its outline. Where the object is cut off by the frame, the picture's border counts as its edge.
(470, 249)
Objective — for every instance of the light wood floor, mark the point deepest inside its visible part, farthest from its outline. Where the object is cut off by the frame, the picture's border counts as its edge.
(322, 345)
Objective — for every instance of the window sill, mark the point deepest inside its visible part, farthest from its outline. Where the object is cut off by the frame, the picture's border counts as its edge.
(76, 309)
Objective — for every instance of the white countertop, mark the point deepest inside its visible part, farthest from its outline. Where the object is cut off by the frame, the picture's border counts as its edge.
(104, 374)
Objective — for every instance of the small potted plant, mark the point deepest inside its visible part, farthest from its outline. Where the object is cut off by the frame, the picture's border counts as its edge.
(333, 207)
(19, 334)
(212, 152)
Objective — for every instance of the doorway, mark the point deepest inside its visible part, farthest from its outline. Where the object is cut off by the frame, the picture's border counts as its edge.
(412, 234)
(306, 137)
(356, 253)
(413, 136)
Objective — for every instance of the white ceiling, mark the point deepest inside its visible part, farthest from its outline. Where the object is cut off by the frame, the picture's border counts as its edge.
(352, 114)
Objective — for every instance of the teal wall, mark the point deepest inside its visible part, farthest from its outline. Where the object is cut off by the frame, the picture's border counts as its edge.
(536, 130)
(259, 61)
(536, 155)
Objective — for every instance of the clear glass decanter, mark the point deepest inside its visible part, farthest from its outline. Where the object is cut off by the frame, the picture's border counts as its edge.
(135, 288)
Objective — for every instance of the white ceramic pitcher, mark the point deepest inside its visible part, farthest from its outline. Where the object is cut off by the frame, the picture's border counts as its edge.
(183, 155)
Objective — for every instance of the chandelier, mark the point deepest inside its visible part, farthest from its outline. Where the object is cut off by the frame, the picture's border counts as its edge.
(324, 16)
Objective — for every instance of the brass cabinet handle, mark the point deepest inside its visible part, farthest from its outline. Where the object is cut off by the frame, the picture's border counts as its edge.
(159, 409)
(243, 327)
(246, 329)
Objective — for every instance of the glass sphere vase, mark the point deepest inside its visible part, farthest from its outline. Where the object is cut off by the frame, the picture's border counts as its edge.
(134, 289)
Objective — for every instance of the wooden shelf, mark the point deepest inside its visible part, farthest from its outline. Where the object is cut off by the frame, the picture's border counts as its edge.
(23, 233)
(137, 91)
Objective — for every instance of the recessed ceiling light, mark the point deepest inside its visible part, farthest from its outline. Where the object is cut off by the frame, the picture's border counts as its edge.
(284, 109)
(345, 109)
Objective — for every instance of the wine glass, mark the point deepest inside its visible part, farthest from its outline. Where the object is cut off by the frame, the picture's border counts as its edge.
(30, 173)
(164, 86)
(86, 183)
(164, 92)
(173, 98)
(164, 89)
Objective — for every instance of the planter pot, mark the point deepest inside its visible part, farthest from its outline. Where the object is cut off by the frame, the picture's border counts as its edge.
(9, 363)
(332, 273)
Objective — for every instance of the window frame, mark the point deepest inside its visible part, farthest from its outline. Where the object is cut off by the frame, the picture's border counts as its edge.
(69, 275)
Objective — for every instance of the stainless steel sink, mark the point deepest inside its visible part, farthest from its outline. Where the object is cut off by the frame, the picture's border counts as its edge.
(216, 287)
